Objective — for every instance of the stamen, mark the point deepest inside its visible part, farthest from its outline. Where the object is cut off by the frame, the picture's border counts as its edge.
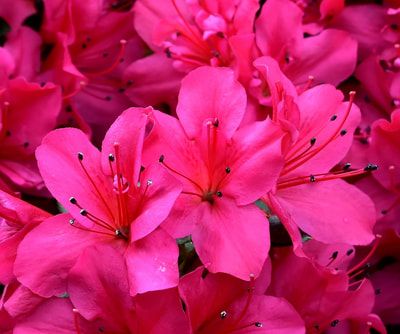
(334, 323)
(325, 176)
(223, 314)
(80, 159)
(227, 170)
(366, 259)
(117, 61)
(333, 258)
(122, 206)
(76, 320)
(347, 166)
(305, 157)
(72, 222)
(98, 221)
(162, 161)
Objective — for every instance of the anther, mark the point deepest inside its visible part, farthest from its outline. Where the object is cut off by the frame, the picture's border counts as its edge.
(72, 221)
(334, 117)
(218, 193)
(343, 132)
(312, 178)
(216, 122)
(334, 323)
(312, 141)
(334, 255)
(111, 157)
(370, 168)
(83, 212)
(149, 182)
(258, 324)
(223, 314)
(227, 170)
(349, 252)
(161, 158)
(347, 166)
(80, 156)
(73, 200)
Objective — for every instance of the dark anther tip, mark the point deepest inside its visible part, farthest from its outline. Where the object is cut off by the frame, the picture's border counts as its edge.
(73, 200)
(347, 166)
(313, 141)
(218, 193)
(204, 273)
(349, 251)
(333, 117)
(343, 132)
(334, 323)
(258, 324)
(312, 178)
(334, 255)
(370, 167)
(223, 314)
(216, 122)
(111, 157)
(83, 212)
(161, 159)
(80, 156)
(227, 170)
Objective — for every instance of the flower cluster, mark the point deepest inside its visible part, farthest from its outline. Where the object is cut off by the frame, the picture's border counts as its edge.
(199, 166)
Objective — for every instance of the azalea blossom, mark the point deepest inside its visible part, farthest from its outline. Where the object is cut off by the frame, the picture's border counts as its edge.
(222, 168)
(308, 196)
(110, 200)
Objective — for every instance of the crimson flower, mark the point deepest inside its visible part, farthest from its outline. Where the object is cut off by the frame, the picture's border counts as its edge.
(224, 170)
(110, 200)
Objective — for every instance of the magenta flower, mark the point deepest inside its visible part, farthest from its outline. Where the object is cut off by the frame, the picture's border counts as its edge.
(308, 196)
(330, 57)
(385, 149)
(222, 304)
(21, 104)
(110, 200)
(98, 300)
(326, 298)
(185, 35)
(223, 168)
(88, 58)
(17, 218)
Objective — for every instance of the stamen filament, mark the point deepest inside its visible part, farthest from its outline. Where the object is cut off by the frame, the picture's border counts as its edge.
(117, 61)
(80, 159)
(366, 259)
(312, 153)
(180, 174)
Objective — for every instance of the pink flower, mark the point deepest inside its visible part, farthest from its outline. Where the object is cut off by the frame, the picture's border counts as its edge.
(323, 297)
(381, 80)
(17, 218)
(185, 35)
(385, 150)
(308, 196)
(110, 200)
(98, 300)
(223, 170)
(329, 57)
(87, 59)
(223, 304)
(22, 104)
